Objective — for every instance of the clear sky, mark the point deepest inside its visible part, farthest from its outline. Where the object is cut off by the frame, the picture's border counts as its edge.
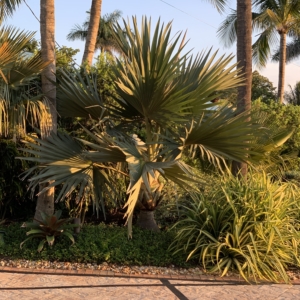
(199, 18)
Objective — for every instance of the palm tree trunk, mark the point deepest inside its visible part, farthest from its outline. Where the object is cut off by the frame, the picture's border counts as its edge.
(244, 58)
(146, 220)
(91, 39)
(45, 201)
(282, 62)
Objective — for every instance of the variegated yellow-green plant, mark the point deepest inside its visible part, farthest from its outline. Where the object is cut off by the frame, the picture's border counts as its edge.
(163, 107)
(247, 225)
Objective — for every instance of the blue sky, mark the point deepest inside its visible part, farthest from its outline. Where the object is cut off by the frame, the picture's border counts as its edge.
(199, 18)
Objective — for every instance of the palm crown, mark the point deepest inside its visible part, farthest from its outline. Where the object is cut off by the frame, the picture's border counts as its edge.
(105, 40)
(272, 18)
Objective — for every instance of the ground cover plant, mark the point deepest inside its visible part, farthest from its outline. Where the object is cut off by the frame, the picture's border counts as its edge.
(247, 225)
(97, 244)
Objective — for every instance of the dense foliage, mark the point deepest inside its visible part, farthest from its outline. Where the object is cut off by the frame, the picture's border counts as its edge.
(262, 88)
(250, 226)
(293, 95)
(285, 116)
(14, 199)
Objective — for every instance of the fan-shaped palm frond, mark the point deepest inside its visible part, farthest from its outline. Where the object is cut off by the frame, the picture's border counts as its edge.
(159, 83)
(12, 42)
(78, 95)
(20, 97)
(62, 160)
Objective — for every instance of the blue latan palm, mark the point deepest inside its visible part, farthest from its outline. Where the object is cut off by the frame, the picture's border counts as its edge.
(166, 94)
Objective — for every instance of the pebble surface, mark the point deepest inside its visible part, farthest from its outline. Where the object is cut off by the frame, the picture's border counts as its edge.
(294, 274)
(42, 264)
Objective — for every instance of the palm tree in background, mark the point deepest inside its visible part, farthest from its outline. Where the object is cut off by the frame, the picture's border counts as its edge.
(292, 51)
(272, 18)
(105, 39)
(92, 32)
(244, 40)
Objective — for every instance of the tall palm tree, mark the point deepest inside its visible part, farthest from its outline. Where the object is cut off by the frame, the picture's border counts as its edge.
(244, 37)
(92, 32)
(167, 94)
(45, 201)
(244, 59)
(47, 29)
(271, 18)
(105, 39)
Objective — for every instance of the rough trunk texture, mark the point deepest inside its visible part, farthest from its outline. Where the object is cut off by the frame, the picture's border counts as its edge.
(77, 221)
(45, 202)
(244, 58)
(146, 220)
(91, 39)
(282, 62)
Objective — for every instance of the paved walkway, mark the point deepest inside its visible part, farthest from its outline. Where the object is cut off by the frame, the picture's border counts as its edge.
(26, 285)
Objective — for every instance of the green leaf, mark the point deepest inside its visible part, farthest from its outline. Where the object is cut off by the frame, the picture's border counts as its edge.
(69, 235)
(34, 231)
(50, 240)
(41, 245)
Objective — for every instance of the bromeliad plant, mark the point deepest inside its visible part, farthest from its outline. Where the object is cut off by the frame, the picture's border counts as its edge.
(48, 229)
(163, 107)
